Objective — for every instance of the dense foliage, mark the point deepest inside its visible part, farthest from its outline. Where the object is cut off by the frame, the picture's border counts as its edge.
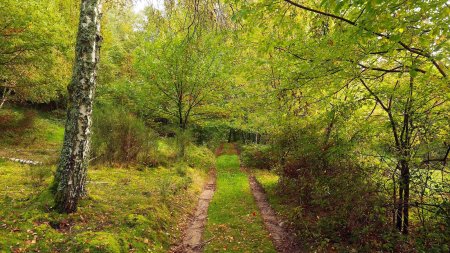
(347, 101)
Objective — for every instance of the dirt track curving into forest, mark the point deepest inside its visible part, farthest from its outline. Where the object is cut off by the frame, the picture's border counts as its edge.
(193, 242)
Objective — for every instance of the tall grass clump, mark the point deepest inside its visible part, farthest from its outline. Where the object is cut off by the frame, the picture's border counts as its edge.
(121, 137)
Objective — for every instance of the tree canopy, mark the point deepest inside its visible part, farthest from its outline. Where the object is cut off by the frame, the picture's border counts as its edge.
(318, 91)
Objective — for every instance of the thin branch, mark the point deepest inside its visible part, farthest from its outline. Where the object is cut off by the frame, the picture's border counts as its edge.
(353, 23)
(398, 69)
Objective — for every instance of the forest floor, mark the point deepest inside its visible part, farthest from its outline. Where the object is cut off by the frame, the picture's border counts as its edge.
(132, 209)
(129, 209)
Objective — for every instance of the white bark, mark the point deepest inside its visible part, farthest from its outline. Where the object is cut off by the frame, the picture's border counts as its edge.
(6, 93)
(70, 179)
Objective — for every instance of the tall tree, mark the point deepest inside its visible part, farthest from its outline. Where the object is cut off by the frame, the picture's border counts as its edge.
(35, 46)
(70, 178)
(183, 59)
(342, 56)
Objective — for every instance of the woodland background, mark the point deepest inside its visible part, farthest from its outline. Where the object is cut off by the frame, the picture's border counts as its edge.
(345, 103)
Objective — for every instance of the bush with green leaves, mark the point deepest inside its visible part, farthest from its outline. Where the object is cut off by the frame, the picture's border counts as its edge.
(258, 156)
(200, 157)
(336, 202)
(13, 123)
(183, 139)
(121, 137)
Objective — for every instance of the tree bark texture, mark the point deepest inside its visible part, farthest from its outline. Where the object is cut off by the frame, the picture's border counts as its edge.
(6, 93)
(70, 178)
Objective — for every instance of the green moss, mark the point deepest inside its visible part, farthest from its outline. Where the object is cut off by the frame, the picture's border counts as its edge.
(126, 204)
(125, 208)
(134, 220)
(101, 242)
(200, 157)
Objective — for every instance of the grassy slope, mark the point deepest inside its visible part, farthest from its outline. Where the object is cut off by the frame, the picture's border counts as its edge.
(234, 222)
(127, 209)
(42, 142)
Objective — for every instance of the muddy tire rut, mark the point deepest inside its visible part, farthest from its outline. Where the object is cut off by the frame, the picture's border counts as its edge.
(282, 238)
(192, 239)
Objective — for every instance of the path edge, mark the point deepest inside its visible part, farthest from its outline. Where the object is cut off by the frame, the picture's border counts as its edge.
(282, 238)
(192, 238)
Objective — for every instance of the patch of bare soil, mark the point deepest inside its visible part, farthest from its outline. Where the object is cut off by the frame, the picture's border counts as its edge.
(219, 150)
(192, 239)
(283, 240)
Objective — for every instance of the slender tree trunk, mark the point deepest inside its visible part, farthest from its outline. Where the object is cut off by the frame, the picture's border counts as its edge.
(6, 93)
(400, 205)
(70, 178)
(182, 142)
(2, 102)
(406, 154)
(405, 228)
(394, 197)
(403, 202)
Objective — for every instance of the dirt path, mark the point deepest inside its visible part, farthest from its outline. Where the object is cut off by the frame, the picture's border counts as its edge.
(192, 238)
(193, 241)
(282, 239)
(234, 222)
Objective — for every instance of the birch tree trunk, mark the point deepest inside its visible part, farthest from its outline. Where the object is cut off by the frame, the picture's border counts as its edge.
(70, 178)
(5, 95)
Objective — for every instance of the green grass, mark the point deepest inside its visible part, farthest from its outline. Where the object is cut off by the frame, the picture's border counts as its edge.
(269, 181)
(126, 209)
(40, 142)
(234, 221)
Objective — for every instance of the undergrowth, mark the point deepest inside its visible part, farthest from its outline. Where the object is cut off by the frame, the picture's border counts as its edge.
(140, 207)
(126, 210)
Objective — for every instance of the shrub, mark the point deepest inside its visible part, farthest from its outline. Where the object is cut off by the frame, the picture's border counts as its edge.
(121, 137)
(257, 156)
(210, 135)
(162, 152)
(200, 157)
(183, 140)
(38, 174)
(16, 123)
(6, 120)
(336, 202)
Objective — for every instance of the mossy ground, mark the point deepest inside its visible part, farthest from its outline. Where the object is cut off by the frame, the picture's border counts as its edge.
(234, 221)
(126, 209)
(134, 209)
